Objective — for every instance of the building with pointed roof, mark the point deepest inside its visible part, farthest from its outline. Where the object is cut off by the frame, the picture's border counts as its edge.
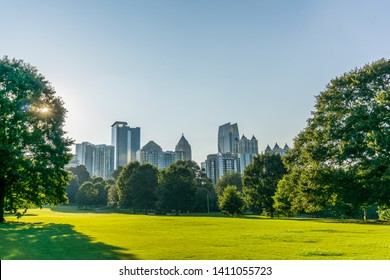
(277, 149)
(150, 153)
(184, 147)
(246, 146)
(153, 154)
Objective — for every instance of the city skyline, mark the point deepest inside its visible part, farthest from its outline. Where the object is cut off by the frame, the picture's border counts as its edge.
(173, 67)
(182, 145)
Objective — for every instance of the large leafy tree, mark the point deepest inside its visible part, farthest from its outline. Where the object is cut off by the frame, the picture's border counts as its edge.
(177, 188)
(87, 195)
(260, 181)
(205, 196)
(231, 201)
(33, 144)
(137, 184)
(228, 179)
(71, 189)
(345, 149)
(81, 172)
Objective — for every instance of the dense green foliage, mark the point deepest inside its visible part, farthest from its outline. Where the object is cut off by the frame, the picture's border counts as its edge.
(33, 145)
(384, 214)
(72, 189)
(176, 190)
(260, 180)
(228, 179)
(137, 185)
(340, 162)
(81, 173)
(87, 195)
(231, 201)
(80, 176)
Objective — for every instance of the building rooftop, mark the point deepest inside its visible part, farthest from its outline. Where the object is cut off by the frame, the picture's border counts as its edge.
(151, 146)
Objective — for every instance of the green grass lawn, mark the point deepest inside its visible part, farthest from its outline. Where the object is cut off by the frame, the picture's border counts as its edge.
(68, 233)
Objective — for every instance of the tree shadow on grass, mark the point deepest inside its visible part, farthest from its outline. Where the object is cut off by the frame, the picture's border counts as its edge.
(41, 241)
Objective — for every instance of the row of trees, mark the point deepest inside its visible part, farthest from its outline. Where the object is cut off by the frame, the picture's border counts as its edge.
(181, 188)
(142, 187)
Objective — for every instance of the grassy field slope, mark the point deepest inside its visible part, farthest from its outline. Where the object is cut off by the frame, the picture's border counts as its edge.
(66, 233)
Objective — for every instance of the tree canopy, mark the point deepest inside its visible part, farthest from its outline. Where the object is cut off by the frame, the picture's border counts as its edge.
(87, 195)
(231, 201)
(137, 184)
(228, 179)
(260, 180)
(343, 154)
(81, 172)
(34, 147)
(177, 188)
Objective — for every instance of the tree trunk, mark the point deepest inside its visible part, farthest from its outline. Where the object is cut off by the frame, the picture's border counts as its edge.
(365, 215)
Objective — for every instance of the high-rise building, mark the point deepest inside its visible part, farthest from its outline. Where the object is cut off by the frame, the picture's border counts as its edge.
(227, 135)
(246, 146)
(246, 149)
(119, 139)
(135, 143)
(97, 159)
(127, 142)
(234, 154)
(104, 161)
(153, 154)
(85, 153)
(219, 164)
(184, 147)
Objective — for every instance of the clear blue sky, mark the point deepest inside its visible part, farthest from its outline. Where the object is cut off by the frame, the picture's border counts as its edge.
(181, 66)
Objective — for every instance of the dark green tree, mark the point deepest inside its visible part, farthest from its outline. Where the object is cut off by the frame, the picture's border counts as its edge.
(344, 151)
(33, 145)
(102, 193)
(176, 190)
(296, 193)
(231, 201)
(87, 195)
(124, 182)
(228, 179)
(72, 188)
(97, 179)
(137, 184)
(117, 172)
(260, 181)
(81, 172)
(205, 196)
(144, 187)
(202, 200)
(113, 196)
